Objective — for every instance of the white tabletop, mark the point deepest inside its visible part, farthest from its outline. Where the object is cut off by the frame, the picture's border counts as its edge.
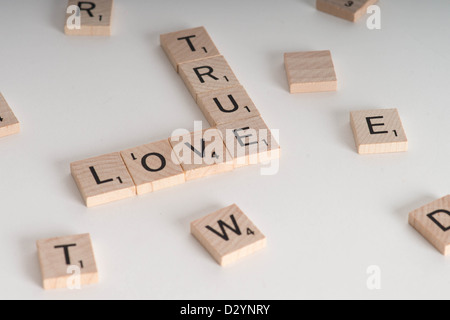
(329, 214)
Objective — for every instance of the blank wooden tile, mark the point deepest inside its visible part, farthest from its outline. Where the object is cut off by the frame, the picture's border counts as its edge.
(152, 168)
(188, 45)
(207, 75)
(96, 17)
(351, 10)
(311, 71)
(202, 154)
(433, 222)
(250, 141)
(103, 179)
(8, 122)
(228, 235)
(378, 131)
(59, 256)
(227, 105)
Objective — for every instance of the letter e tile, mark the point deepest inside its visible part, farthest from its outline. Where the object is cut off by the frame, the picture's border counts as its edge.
(378, 131)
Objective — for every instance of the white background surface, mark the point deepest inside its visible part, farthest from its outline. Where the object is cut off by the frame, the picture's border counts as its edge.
(329, 214)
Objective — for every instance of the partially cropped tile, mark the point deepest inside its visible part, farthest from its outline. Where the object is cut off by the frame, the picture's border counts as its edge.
(433, 222)
(351, 10)
(8, 122)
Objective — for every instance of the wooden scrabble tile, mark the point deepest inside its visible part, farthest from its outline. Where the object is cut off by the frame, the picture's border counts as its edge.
(351, 10)
(152, 168)
(62, 259)
(228, 235)
(310, 71)
(8, 122)
(103, 179)
(95, 18)
(433, 222)
(249, 141)
(227, 105)
(207, 75)
(188, 45)
(378, 131)
(202, 154)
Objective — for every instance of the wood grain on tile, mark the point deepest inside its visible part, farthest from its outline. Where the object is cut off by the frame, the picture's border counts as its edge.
(152, 168)
(351, 10)
(58, 256)
(228, 235)
(311, 71)
(433, 222)
(207, 75)
(202, 154)
(378, 131)
(250, 141)
(8, 122)
(188, 45)
(227, 105)
(103, 179)
(96, 18)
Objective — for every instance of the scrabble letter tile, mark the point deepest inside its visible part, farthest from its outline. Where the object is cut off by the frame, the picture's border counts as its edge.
(249, 141)
(8, 121)
(433, 222)
(202, 154)
(228, 235)
(351, 10)
(152, 168)
(103, 179)
(94, 16)
(207, 75)
(63, 259)
(188, 45)
(310, 71)
(378, 131)
(227, 105)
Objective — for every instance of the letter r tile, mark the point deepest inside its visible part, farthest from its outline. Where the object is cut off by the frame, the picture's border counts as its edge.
(378, 131)
(63, 259)
(152, 168)
(95, 16)
(188, 45)
(103, 179)
(228, 235)
(433, 222)
(207, 75)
